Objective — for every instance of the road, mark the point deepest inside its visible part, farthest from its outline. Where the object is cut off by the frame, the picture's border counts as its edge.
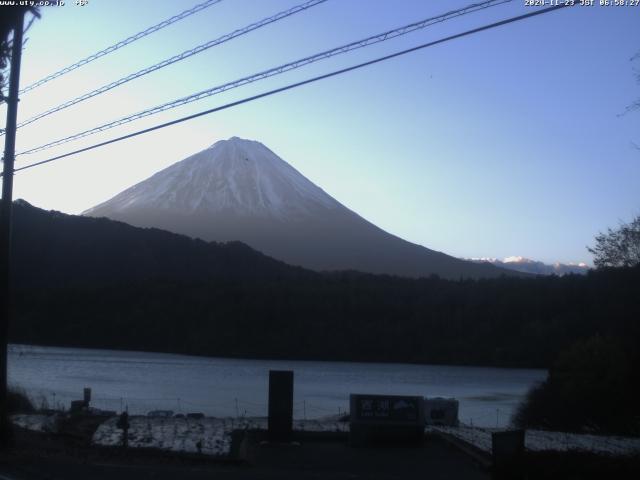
(308, 460)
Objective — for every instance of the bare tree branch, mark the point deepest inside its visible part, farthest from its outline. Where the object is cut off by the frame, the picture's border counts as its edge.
(618, 247)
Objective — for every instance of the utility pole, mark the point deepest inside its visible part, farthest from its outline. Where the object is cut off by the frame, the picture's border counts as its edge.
(5, 222)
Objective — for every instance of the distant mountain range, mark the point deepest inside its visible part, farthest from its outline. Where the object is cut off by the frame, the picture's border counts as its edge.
(522, 264)
(240, 190)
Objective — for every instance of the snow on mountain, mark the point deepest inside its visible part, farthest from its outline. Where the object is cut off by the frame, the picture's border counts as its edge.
(239, 175)
(240, 190)
(526, 265)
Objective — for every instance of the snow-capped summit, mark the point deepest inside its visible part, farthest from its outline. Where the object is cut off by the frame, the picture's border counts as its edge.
(238, 176)
(526, 265)
(240, 190)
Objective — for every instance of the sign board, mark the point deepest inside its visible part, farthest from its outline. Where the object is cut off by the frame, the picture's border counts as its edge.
(386, 418)
(386, 408)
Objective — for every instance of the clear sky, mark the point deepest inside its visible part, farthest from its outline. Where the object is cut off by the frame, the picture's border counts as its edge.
(507, 142)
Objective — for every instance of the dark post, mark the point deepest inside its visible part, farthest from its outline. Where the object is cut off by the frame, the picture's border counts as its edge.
(5, 221)
(508, 453)
(280, 405)
(123, 424)
(87, 397)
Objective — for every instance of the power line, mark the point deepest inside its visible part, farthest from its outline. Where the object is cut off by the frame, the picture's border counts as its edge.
(301, 83)
(176, 58)
(381, 37)
(122, 43)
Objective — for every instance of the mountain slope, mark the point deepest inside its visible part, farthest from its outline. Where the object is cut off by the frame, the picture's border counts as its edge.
(240, 190)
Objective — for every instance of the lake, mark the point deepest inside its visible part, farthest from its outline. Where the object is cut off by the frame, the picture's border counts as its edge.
(224, 387)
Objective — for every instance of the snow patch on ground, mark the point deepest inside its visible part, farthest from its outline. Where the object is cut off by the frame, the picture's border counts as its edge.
(174, 434)
(540, 440)
(37, 422)
(183, 434)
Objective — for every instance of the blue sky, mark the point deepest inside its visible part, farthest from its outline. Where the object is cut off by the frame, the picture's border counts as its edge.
(508, 142)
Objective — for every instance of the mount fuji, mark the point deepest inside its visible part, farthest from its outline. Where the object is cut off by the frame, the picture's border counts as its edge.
(240, 190)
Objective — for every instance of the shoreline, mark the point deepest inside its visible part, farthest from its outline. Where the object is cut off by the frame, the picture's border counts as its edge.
(271, 359)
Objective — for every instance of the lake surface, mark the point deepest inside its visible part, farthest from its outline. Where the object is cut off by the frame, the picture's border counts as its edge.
(223, 387)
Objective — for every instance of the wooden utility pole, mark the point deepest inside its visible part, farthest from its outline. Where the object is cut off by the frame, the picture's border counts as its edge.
(5, 222)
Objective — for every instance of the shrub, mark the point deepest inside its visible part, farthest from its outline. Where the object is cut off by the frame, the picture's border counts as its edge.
(18, 402)
(591, 388)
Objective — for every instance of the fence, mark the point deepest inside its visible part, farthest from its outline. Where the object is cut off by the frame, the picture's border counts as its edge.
(304, 407)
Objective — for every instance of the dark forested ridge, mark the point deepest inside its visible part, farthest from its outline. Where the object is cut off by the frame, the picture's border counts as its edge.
(99, 283)
(52, 249)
